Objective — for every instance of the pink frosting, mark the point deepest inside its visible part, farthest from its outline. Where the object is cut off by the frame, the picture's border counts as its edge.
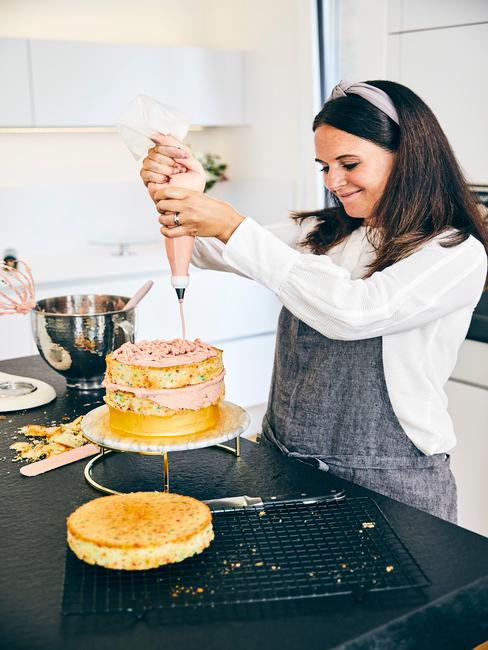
(193, 397)
(162, 354)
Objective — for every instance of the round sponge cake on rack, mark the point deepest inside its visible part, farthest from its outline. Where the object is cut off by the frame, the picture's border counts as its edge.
(140, 530)
(164, 387)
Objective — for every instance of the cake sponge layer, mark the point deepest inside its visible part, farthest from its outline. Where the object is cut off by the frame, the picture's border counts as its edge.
(138, 559)
(183, 422)
(175, 376)
(141, 530)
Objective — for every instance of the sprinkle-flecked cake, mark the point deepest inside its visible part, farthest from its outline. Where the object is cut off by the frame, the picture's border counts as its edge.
(141, 530)
(164, 387)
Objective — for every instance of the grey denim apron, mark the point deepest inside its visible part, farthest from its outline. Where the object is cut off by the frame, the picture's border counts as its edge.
(329, 405)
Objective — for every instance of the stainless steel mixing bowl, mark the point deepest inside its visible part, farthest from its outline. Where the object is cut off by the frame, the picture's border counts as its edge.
(74, 333)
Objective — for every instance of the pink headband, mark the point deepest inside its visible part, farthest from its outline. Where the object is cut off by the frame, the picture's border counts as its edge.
(371, 94)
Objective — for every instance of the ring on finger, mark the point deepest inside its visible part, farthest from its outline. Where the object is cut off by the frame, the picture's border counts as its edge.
(176, 219)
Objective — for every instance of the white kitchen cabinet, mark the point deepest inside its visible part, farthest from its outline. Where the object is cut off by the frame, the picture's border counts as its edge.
(468, 407)
(235, 314)
(16, 338)
(15, 107)
(467, 392)
(248, 367)
(221, 306)
(447, 68)
(88, 84)
(218, 306)
(418, 14)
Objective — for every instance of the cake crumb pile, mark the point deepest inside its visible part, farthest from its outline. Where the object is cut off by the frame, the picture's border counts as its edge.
(48, 441)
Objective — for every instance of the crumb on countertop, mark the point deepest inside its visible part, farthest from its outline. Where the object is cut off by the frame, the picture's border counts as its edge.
(48, 441)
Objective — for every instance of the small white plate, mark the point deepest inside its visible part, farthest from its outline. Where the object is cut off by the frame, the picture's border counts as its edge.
(24, 393)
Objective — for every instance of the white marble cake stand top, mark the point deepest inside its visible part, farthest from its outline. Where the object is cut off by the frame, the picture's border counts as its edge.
(233, 420)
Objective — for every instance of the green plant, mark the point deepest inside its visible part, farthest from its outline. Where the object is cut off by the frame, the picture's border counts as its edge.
(214, 169)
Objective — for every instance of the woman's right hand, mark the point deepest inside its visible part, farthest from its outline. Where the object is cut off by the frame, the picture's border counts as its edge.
(170, 162)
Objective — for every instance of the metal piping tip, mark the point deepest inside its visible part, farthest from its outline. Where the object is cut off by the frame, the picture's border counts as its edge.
(180, 292)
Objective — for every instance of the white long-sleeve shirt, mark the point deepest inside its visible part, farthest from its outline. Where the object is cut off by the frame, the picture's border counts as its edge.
(421, 306)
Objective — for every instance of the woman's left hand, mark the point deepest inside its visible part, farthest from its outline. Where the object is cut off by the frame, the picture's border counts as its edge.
(170, 162)
(198, 214)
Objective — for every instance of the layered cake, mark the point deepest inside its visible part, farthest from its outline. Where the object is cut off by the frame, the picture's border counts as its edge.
(141, 530)
(156, 388)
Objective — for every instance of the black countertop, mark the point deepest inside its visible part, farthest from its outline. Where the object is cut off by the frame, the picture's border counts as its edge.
(451, 613)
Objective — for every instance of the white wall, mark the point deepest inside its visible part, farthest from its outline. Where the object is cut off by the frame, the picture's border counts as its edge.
(65, 189)
(363, 30)
(185, 22)
(439, 50)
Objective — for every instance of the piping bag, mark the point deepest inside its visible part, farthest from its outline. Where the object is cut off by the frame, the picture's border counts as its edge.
(143, 123)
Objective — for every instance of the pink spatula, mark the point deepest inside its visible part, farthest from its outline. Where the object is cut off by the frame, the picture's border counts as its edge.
(47, 464)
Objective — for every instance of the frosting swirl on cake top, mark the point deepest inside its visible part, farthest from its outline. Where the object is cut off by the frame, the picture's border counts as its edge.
(162, 354)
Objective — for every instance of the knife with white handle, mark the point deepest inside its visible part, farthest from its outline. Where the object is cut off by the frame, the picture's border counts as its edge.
(47, 464)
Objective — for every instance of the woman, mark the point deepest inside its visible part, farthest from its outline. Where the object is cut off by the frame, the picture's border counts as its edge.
(377, 292)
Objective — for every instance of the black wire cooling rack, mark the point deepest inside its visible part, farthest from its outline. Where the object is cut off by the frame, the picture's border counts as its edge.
(277, 552)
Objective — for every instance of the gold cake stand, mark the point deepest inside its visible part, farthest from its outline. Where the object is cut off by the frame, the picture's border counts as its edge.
(233, 421)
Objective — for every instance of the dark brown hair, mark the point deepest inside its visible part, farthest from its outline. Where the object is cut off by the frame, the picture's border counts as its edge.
(425, 194)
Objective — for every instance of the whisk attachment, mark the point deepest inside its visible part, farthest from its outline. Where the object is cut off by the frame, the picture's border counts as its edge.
(16, 289)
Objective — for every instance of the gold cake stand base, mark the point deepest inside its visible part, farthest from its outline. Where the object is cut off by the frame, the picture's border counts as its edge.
(233, 421)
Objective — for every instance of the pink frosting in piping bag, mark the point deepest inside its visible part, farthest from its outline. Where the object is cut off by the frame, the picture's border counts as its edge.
(180, 249)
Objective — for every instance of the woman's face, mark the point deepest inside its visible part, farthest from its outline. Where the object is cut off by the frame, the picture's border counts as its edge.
(354, 169)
